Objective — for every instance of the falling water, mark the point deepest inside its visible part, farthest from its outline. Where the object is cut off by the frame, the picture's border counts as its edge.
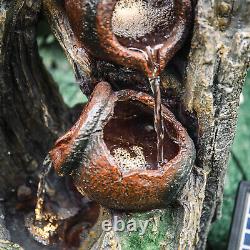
(158, 121)
(143, 25)
(152, 57)
(155, 82)
(41, 189)
(59, 212)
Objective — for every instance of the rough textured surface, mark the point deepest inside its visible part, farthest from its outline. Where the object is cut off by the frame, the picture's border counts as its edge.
(31, 112)
(4, 233)
(238, 164)
(78, 57)
(238, 170)
(215, 72)
(217, 67)
(217, 64)
(168, 228)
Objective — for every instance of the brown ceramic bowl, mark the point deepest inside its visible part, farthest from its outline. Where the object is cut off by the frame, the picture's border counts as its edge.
(111, 152)
(116, 31)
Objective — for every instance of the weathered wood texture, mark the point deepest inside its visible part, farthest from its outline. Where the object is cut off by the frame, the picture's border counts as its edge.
(218, 63)
(33, 114)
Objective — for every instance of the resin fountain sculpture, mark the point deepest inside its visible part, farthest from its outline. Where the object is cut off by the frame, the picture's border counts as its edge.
(127, 151)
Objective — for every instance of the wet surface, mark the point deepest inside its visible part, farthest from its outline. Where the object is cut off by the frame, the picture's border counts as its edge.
(142, 23)
(60, 224)
(133, 126)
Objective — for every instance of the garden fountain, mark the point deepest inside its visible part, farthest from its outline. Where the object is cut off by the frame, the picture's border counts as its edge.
(127, 151)
(119, 46)
(142, 35)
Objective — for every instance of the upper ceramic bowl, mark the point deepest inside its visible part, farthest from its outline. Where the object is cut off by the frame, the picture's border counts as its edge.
(121, 31)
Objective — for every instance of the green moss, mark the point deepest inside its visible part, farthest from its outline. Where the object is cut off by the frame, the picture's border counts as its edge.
(161, 228)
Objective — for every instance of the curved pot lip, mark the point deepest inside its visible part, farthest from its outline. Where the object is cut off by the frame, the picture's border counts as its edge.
(185, 143)
(122, 55)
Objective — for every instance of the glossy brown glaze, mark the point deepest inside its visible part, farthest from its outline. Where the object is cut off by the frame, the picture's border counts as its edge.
(121, 119)
(92, 23)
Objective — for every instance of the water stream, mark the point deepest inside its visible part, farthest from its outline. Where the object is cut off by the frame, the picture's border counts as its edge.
(41, 224)
(155, 82)
(41, 191)
(158, 121)
(152, 56)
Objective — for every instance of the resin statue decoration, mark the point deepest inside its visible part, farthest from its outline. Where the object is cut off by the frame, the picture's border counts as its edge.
(151, 146)
(127, 151)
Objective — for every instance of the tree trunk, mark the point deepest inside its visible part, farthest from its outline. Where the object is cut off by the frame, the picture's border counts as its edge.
(32, 111)
(213, 69)
(217, 67)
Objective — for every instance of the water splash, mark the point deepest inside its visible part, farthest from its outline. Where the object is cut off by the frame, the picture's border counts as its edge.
(42, 225)
(47, 165)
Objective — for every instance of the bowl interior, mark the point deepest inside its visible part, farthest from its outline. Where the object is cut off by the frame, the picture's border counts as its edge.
(141, 23)
(131, 138)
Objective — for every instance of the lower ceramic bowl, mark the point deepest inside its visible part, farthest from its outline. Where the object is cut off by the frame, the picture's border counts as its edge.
(111, 152)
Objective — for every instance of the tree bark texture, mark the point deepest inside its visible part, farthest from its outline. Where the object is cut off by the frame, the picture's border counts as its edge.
(213, 69)
(32, 112)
